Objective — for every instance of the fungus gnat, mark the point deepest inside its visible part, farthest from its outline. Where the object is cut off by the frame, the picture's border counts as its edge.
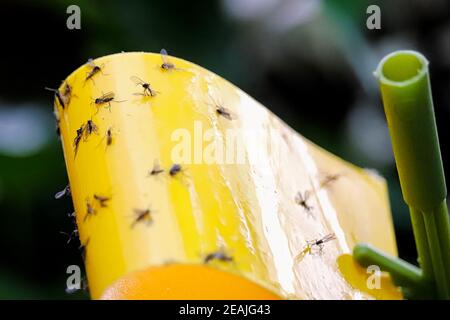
(302, 200)
(76, 141)
(221, 110)
(224, 112)
(142, 216)
(109, 136)
(320, 242)
(156, 169)
(67, 92)
(90, 211)
(102, 200)
(148, 90)
(106, 98)
(90, 128)
(167, 64)
(315, 246)
(83, 248)
(175, 169)
(63, 192)
(64, 96)
(94, 69)
(218, 255)
(71, 235)
(58, 96)
(72, 215)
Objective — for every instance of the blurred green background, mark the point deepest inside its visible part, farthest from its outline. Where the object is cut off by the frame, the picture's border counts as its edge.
(309, 61)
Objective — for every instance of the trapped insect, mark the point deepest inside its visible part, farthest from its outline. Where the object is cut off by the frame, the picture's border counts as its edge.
(320, 242)
(167, 64)
(94, 69)
(58, 96)
(148, 90)
(90, 211)
(83, 248)
(156, 169)
(74, 234)
(102, 200)
(70, 236)
(302, 200)
(218, 255)
(89, 129)
(76, 141)
(109, 136)
(72, 215)
(142, 216)
(221, 110)
(63, 192)
(64, 96)
(106, 98)
(67, 93)
(315, 246)
(224, 112)
(175, 169)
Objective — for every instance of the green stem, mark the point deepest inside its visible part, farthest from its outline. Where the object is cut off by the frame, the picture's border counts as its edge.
(423, 248)
(436, 254)
(403, 273)
(443, 225)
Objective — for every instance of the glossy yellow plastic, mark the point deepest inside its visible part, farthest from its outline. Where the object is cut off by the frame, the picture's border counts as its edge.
(242, 204)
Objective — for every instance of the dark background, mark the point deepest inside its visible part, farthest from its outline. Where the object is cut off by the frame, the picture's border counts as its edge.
(309, 61)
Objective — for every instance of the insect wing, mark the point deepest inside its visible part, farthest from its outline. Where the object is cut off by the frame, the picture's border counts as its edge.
(328, 237)
(137, 80)
(60, 194)
(164, 56)
(166, 62)
(108, 96)
(104, 98)
(90, 63)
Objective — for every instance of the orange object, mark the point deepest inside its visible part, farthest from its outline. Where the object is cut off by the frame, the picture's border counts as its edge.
(179, 282)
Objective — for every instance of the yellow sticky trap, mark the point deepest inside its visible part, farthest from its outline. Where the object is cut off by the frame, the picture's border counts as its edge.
(237, 193)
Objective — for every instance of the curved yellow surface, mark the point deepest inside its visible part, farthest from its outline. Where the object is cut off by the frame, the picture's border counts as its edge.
(241, 204)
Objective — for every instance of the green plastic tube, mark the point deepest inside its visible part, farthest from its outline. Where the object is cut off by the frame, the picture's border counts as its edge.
(405, 88)
(408, 104)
